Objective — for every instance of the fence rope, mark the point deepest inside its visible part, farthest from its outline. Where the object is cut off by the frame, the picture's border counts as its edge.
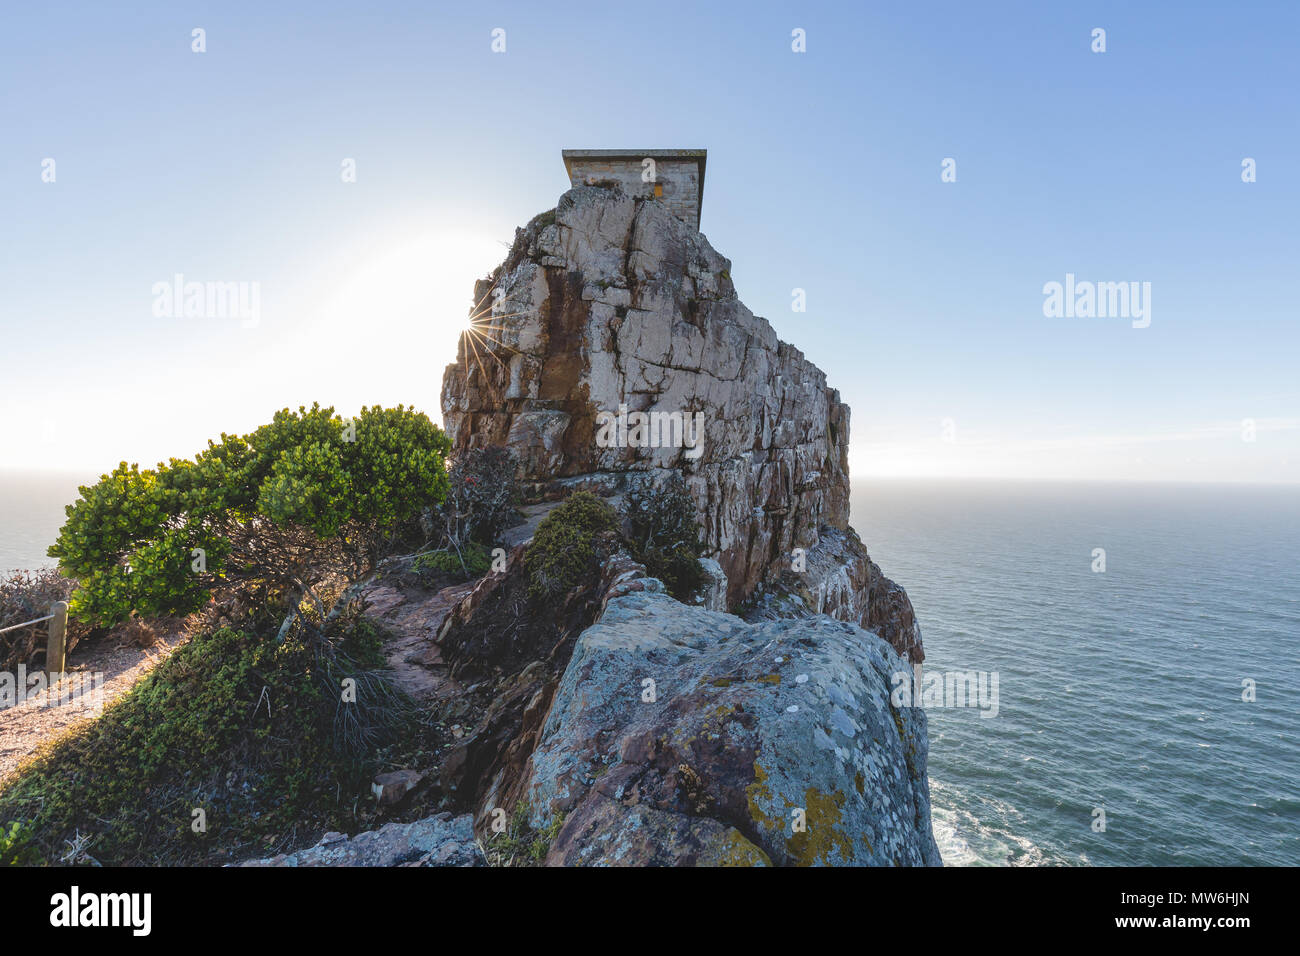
(14, 627)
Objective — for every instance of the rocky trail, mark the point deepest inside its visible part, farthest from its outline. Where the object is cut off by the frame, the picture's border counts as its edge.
(411, 618)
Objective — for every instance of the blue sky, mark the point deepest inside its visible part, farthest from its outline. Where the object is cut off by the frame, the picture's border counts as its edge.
(925, 300)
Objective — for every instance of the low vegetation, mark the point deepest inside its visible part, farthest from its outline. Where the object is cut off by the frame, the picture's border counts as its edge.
(234, 746)
(446, 566)
(519, 844)
(657, 524)
(568, 545)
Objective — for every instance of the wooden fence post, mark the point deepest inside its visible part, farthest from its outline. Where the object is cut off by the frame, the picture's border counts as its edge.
(56, 650)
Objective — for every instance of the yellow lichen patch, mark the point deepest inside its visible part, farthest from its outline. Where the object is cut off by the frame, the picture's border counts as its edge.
(734, 850)
(756, 791)
(693, 789)
(714, 723)
(815, 844)
(909, 746)
(770, 679)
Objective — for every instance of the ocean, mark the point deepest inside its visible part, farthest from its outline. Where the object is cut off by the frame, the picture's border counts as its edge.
(1121, 735)
(31, 514)
(1119, 690)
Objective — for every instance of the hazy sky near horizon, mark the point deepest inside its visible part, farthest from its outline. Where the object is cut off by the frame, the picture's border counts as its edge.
(924, 298)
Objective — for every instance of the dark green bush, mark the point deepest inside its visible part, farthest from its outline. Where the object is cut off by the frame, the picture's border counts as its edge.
(564, 551)
(679, 570)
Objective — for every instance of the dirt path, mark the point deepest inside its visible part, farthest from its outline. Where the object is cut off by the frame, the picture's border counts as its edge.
(412, 618)
(98, 673)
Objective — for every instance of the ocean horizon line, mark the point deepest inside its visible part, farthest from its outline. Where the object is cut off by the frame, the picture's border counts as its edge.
(69, 472)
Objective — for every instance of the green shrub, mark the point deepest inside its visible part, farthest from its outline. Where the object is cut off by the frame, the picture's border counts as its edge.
(362, 642)
(474, 561)
(519, 845)
(303, 497)
(564, 550)
(16, 847)
(679, 570)
(664, 534)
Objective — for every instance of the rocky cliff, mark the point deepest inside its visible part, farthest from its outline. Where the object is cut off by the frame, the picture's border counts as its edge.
(613, 724)
(610, 306)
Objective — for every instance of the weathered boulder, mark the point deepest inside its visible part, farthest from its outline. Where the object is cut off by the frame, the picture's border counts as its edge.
(612, 304)
(441, 840)
(679, 735)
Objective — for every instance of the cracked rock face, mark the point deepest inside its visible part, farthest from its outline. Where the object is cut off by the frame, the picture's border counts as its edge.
(772, 743)
(612, 304)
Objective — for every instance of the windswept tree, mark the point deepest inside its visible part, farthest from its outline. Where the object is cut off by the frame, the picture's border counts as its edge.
(306, 498)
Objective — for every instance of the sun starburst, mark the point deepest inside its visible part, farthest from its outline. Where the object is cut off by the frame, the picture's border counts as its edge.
(484, 330)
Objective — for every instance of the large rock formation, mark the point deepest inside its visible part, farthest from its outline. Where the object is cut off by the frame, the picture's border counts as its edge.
(635, 728)
(610, 301)
(685, 736)
(630, 729)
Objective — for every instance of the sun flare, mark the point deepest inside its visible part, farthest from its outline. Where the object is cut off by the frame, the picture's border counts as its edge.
(396, 316)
